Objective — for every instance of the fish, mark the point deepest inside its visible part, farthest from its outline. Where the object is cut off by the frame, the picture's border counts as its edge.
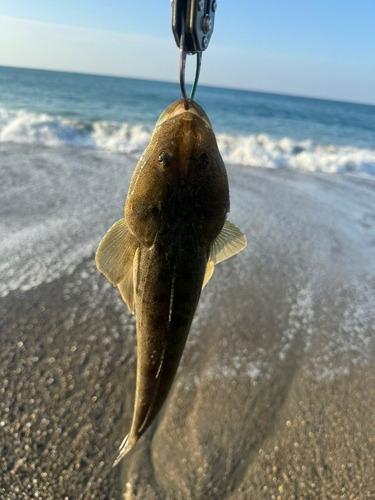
(163, 252)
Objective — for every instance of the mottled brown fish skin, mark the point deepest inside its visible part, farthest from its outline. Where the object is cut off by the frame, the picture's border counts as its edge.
(175, 209)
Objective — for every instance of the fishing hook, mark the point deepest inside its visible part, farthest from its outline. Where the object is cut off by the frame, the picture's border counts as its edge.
(197, 72)
(183, 54)
(183, 61)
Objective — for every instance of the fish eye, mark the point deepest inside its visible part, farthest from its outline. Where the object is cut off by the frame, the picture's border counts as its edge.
(203, 160)
(164, 157)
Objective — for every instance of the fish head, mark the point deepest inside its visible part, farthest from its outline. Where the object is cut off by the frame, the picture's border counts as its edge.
(181, 171)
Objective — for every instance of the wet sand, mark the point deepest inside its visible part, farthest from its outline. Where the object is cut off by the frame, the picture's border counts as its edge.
(275, 395)
(67, 391)
(61, 401)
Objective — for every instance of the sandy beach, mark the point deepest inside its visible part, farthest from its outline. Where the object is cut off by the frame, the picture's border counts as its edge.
(275, 395)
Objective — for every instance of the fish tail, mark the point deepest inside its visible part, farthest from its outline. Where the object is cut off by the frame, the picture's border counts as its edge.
(122, 450)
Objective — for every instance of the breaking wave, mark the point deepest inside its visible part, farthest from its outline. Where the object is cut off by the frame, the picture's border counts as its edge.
(24, 127)
(263, 151)
(252, 150)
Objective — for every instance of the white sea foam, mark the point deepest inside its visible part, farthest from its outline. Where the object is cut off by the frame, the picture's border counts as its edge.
(252, 150)
(262, 150)
(23, 127)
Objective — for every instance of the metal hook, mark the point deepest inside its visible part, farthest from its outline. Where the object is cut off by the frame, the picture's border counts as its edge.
(183, 54)
(183, 60)
(196, 78)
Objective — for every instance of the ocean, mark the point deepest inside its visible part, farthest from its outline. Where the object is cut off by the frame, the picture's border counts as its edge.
(58, 109)
(274, 396)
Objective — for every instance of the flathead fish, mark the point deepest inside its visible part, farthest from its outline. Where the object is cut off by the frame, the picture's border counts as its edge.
(163, 252)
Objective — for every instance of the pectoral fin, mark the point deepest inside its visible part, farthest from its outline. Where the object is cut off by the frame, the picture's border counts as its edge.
(208, 273)
(115, 254)
(229, 242)
(126, 286)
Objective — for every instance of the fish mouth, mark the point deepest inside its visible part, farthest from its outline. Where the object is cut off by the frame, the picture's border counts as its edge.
(178, 108)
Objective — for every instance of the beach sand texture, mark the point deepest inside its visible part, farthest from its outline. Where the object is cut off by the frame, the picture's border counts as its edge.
(275, 395)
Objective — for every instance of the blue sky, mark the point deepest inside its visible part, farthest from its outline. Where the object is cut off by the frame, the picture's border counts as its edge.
(313, 48)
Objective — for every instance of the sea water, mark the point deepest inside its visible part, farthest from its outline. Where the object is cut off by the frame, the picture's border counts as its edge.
(57, 109)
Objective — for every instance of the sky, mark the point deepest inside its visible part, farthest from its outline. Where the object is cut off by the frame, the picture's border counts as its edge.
(315, 48)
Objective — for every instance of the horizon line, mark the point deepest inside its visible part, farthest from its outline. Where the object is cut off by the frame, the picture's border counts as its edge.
(240, 89)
